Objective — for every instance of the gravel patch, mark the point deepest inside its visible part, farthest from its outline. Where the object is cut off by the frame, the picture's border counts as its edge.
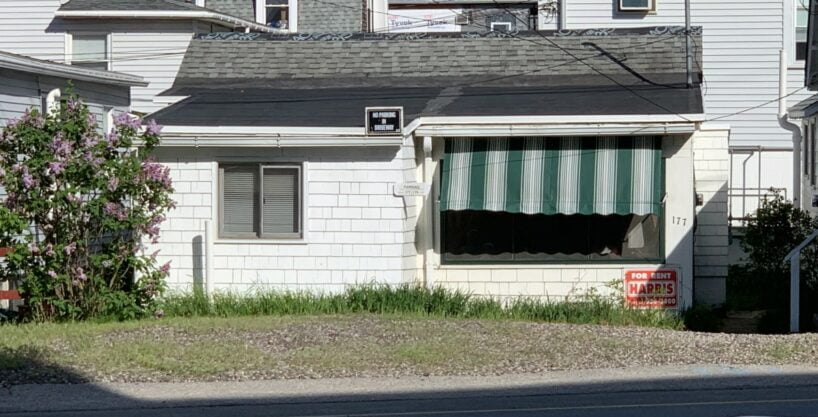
(377, 346)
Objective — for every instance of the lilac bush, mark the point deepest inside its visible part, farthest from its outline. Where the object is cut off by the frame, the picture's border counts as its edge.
(81, 207)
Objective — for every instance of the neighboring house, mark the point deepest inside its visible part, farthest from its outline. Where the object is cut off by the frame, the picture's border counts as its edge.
(807, 112)
(547, 179)
(28, 83)
(142, 37)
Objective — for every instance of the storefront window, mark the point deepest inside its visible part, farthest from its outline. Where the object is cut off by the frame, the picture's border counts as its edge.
(487, 236)
(552, 199)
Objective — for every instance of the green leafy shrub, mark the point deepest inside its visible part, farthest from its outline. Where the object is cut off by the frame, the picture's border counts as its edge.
(764, 282)
(78, 206)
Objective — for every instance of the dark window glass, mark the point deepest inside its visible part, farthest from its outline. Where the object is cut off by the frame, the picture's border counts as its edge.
(485, 236)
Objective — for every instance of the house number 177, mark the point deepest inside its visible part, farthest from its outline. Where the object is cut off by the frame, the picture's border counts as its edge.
(679, 220)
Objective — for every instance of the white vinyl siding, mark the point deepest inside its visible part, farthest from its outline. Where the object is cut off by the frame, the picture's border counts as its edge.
(28, 27)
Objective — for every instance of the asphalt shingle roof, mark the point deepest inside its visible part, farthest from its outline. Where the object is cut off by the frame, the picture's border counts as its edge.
(253, 79)
(167, 5)
(342, 60)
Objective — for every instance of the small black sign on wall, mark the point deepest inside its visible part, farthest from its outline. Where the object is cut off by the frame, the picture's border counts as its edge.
(384, 120)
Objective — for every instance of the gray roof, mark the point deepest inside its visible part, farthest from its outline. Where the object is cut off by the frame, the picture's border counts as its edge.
(223, 16)
(327, 79)
(167, 5)
(30, 65)
(344, 107)
(217, 60)
(805, 108)
(239, 8)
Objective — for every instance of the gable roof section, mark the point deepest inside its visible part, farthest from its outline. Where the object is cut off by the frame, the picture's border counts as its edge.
(253, 79)
(37, 66)
(345, 60)
(157, 9)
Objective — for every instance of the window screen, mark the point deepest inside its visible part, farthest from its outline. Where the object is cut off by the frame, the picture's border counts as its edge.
(90, 51)
(260, 201)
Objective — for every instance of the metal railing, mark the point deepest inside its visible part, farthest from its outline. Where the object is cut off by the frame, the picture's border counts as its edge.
(794, 258)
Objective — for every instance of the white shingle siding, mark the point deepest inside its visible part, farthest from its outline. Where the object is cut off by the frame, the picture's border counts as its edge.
(355, 227)
(711, 237)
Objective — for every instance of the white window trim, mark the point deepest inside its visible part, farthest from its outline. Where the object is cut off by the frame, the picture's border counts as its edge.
(69, 46)
(789, 34)
(506, 24)
(292, 24)
(651, 7)
(216, 202)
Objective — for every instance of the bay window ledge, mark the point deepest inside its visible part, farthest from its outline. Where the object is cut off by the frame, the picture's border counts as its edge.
(579, 265)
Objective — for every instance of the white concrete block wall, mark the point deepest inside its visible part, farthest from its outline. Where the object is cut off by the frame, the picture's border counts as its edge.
(712, 170)
(356, 229)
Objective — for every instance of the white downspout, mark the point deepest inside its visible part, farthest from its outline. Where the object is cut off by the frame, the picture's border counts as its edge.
(785, 123)
(52, 102)
(209, 267)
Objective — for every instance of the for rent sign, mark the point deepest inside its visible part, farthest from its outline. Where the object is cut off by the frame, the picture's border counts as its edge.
(658, 288)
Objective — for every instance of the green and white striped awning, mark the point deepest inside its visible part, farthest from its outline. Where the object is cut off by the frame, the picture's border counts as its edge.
(567, 175)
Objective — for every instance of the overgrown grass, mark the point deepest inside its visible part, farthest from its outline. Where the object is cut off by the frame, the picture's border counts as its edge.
(417, 300)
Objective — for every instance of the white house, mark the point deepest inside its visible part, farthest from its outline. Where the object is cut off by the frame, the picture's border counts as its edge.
(547, 178)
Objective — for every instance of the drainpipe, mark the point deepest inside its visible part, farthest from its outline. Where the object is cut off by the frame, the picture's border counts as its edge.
(688, 52)
(428, 207)
(563, 18)
(52, 102)
(785, 123)
(208, 250)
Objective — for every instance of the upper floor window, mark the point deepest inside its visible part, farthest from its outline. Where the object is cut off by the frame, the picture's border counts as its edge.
(90, 51)
(801, 21)
(277, 13)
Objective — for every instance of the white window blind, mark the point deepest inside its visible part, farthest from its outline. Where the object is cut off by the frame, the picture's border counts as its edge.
(90, 51)
(280, 201)
(239, 202)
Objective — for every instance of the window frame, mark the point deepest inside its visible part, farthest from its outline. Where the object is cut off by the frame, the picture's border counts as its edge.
(790, 20)
(259, 196)
(292, 22)
(69, 47)
(440, 227)
(650, 9)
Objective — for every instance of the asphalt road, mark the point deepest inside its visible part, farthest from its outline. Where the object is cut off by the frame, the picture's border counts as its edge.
(790, 401)
(690, 392)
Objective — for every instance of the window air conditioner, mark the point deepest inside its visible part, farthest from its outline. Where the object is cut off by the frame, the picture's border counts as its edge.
(637, 5)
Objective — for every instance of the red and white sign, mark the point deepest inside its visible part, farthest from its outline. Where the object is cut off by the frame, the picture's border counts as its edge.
(652, 288)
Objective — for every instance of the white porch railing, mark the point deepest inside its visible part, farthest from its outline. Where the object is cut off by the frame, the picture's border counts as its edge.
(794, 257)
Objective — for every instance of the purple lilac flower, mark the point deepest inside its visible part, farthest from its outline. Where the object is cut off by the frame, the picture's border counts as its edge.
(56, 167)
(112, 138)
(72, 198)
(89, 140)
(60, 146)
(111, 208)
(155, 254)
(49, 249)
(157, 172)
(71, 248)
(113, 183)
(153, 128)
(165, 269)
(92, 119)
(52, 274)
(28, 181)
(81, 274)
(34, 248)
(126, 120)
(74, 104)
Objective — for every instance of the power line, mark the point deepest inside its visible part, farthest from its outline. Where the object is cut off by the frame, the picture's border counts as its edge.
(606, 75)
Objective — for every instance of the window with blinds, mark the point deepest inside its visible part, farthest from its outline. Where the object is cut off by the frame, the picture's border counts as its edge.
(90, 51)
(260, 201)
